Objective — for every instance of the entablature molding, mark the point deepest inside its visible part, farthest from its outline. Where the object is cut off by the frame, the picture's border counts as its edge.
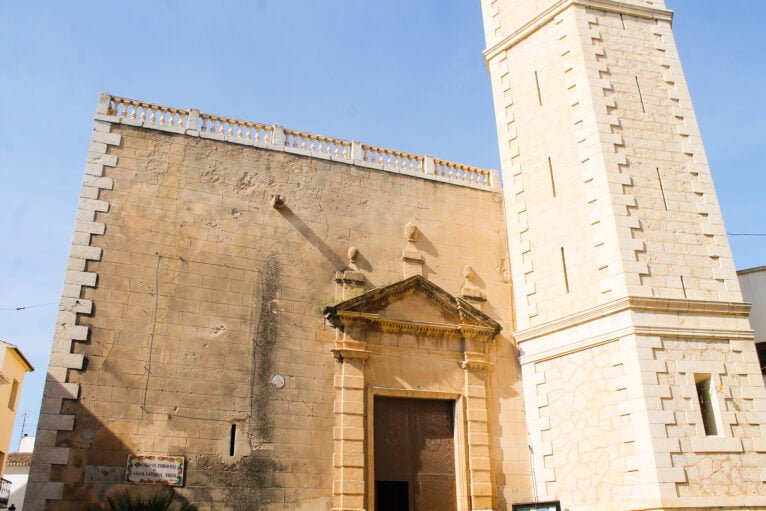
(548, 14)
(560, 349)
(637, 304)
(399, 326)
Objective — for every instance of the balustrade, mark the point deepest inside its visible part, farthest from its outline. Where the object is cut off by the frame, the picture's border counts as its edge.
(192, 122)
(396, 160)
(318, 144)
(464, 174)
(131, 111)
(5, 491)
(234, 129)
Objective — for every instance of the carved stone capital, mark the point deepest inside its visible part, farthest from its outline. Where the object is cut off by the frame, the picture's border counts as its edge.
(350, 350)
(473, 361)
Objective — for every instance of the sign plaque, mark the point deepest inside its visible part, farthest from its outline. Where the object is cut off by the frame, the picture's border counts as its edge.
(149, 469)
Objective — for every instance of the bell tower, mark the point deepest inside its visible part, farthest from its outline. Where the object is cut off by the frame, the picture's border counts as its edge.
(641, 380)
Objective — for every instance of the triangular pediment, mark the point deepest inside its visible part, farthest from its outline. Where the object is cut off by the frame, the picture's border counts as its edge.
(413, 303)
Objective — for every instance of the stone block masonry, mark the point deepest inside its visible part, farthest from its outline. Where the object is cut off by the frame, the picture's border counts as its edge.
(64, 356)
(624, 287)
(187, 293)
(241, 293)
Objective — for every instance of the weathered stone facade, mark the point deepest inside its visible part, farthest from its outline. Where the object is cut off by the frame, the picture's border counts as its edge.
(241, 294)
(198, 291)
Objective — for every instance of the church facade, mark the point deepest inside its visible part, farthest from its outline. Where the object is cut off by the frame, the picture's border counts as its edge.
(265, 319)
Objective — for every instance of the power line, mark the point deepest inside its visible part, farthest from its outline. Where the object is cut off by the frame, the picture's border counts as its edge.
(25, 307)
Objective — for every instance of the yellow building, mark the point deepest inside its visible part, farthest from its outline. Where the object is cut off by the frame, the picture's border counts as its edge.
(13, 366)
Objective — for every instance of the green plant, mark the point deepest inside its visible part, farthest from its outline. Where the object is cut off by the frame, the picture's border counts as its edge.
(352, 293)
(329, 302)
(158, 501)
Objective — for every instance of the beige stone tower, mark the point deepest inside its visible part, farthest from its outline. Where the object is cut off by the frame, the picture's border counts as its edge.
(641, 381)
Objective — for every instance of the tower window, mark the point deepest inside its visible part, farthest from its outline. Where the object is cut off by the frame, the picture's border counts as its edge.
(706, 397)
(640, 95)
(761, 349)
(14, 394)
(553, 181)
(537, 84)
(662, 189)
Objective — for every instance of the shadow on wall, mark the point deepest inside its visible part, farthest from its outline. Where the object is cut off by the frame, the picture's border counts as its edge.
(503, 390)
(97, 466)
(154, 386)
(95, 470)
(328, 253)
(312, 238)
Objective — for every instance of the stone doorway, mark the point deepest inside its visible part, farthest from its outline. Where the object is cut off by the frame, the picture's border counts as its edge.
(414, 454)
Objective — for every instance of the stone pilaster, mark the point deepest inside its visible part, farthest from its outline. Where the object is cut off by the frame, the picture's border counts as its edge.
(349, 485)
(480, 484)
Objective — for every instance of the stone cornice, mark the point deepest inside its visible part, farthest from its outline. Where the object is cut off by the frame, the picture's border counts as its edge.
(547, 15)
(637, 304)
(363, 319)
(464, 319)
(613, 336)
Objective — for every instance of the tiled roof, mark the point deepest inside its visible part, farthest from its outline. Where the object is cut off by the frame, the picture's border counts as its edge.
(19, 458)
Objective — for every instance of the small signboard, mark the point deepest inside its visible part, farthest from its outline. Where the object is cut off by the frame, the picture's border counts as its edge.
(163, 470)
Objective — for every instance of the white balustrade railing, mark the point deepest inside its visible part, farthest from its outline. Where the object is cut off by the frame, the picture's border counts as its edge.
(234, 129)
(333, 147)
(131, 111)
(463, 173)
(196, 123)
(395, 160)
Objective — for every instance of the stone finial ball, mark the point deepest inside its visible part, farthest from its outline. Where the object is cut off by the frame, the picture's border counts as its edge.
(468, 272)
(353, 252)
(410, 231)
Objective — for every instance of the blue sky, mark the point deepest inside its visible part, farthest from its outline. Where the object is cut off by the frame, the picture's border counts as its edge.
(401, 73)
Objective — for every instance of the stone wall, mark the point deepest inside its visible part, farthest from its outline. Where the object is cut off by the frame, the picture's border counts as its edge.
(623, 277)
(581, 453)
(599, 140)
(732, 463)
(619, 426)
(195, 292)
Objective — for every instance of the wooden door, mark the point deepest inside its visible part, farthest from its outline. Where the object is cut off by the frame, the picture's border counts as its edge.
(414, 454)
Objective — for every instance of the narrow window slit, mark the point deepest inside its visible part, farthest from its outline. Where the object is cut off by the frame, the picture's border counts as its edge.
(706, 397)
(622, 20)
(683, 285)
(640, 95)
(662, 189)
(553, 181)
(232, 439)
(564, 268)
(537, 84)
